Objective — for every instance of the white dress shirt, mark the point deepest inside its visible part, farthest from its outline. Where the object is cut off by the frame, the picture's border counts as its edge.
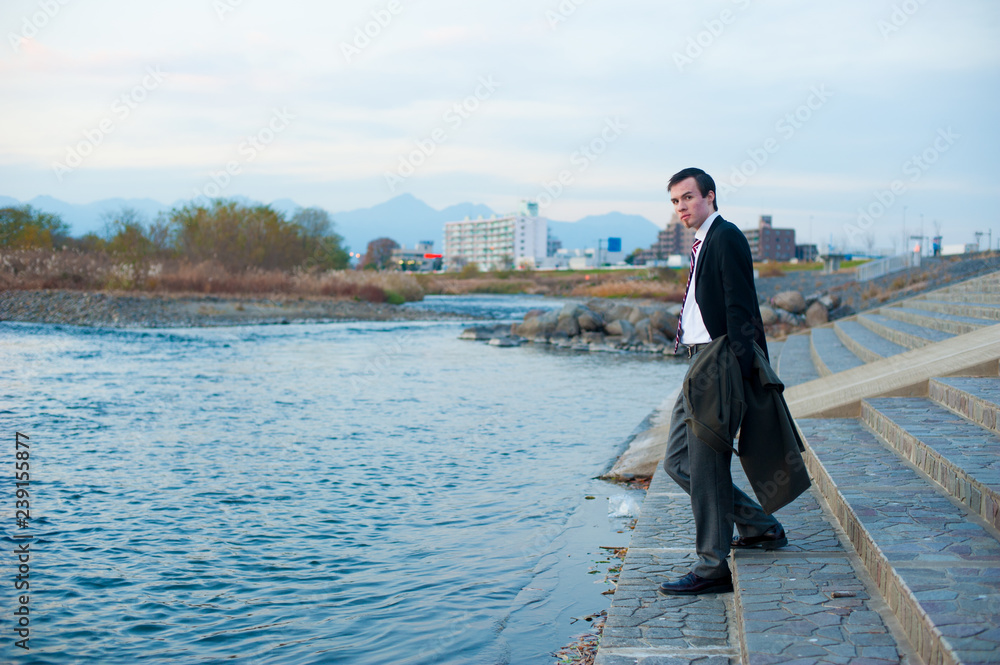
(693, 330)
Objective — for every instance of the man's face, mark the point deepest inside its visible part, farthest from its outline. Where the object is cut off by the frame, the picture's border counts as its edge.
(692, 208)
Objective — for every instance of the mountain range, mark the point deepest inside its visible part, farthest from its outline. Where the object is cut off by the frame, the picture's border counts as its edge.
(404, 218)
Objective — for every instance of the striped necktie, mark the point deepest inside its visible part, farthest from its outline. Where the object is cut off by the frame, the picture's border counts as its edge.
(694, 254)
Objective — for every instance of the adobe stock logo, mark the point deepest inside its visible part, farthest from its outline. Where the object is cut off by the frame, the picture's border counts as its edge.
(455, 117)
(32, 25)
(582, 159)
(900, 16)
(786, 127)
(121, 109)
(562, 13)
(701, 42)
(914, 169)
(223, 7)
(248, 150)
(364, 36)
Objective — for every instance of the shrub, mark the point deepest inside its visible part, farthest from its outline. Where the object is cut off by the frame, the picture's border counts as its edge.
(25, 228)
(469, 270)
(244, 237)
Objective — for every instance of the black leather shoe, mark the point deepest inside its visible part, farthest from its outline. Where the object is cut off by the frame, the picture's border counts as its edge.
(771, 539)
(692, 585)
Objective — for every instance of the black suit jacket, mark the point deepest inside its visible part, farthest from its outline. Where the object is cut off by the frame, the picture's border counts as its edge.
(725, 291)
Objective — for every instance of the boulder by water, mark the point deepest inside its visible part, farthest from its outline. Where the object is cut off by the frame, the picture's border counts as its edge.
(790, 301)
(816, 315)
(597, 326)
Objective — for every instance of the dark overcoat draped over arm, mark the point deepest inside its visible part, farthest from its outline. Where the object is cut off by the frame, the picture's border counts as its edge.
(720, 401)
(770, 445)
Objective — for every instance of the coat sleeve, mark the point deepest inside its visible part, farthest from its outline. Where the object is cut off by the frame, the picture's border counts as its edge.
(740, 295)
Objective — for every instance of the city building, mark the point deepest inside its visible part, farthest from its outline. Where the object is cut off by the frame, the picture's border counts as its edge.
(554, 245)
(419, 259)
(517, 240)
(806, 253)
(583, 259)
(675, 240)
(770, 244)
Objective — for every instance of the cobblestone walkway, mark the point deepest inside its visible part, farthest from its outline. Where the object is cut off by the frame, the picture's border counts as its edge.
(804, 603)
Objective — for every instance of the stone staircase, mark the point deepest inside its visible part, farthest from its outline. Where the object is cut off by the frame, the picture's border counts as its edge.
(894, 554)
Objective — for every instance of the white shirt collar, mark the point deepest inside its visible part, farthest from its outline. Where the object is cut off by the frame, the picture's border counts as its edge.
(702, 231)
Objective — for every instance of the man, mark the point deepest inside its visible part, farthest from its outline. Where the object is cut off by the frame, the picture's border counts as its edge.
(721, 299)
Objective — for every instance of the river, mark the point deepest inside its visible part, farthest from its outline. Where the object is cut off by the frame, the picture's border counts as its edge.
(313, 493)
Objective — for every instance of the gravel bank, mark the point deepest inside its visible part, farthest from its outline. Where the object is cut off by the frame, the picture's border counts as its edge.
(83, 308)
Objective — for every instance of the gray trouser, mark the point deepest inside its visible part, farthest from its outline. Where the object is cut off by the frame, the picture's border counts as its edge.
(717, 504)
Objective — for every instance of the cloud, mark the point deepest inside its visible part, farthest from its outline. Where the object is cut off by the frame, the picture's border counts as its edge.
(560, 80)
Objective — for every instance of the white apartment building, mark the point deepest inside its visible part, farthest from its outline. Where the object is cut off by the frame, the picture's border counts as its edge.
(518, 240)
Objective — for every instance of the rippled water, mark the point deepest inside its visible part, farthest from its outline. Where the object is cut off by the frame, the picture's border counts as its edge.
(343, 493)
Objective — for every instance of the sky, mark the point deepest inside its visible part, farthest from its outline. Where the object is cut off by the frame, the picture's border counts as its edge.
(858, 122)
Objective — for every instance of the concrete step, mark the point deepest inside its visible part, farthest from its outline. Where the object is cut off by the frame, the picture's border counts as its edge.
(978, 399)
(949, 323)
(829, 354)
(795, 365)
(978, 311)
(985, 283)
(936, 564)
(774, 352)
(808, 609)
(905, 334)
(809, 601)
(964, 296)
(867, 345)
(959, 455)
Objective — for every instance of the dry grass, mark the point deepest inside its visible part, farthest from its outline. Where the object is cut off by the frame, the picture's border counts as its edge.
(452, 287)
(32, 269)
(668, 292)
(769, 270)
(45, 269)
(636, 284)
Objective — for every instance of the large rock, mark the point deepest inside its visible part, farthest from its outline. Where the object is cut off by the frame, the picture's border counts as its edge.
(537, 323)
(613, 341)
(830, 301)
(637, 315)
(590, 321)
(840, 312)
(768, 315)
(485, 333)
(790, 301)
(506, 341)
(663, 321)
(618, 311)
(571, 309)
(647, 333)
(602, 307)
(621, 328)
(567, 324)
(816, 315)
(789, 318)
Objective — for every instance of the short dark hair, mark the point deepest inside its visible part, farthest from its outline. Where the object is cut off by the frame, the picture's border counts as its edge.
(705, 182)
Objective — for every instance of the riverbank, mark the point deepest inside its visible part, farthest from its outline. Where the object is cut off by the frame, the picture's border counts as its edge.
(132, 310)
